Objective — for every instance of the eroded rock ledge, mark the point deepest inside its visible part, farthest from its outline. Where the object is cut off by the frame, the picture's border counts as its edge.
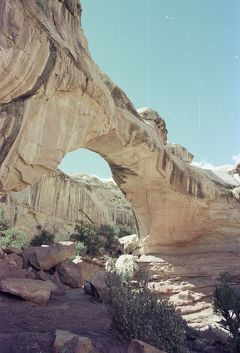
(54, 99)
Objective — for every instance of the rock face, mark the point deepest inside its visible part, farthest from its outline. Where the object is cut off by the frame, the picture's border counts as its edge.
(62, 201)
(44, 258)
(54, 99)
(68, 342)
(33, 290)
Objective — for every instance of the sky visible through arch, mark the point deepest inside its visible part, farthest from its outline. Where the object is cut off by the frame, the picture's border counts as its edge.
(181, 58)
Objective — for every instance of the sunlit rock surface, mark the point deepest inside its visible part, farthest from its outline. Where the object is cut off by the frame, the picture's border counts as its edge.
(58, 202)
(54, 99)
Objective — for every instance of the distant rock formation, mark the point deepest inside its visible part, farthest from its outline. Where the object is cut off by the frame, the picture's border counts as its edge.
(59, 201)
(54, 99)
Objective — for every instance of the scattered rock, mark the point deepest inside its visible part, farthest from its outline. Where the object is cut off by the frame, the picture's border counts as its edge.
(67, 342)
(137, 346)
(99, 281)
(32, 290)
(130, 243)
(44, 258)
(14, 260)
(126, 266)
(88, 267)
(71, 274)
(13, 250)
(8, 271)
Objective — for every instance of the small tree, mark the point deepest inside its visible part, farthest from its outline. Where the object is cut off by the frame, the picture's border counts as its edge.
(138, 312)
(227, 304)
(89, 236)
(43, 237)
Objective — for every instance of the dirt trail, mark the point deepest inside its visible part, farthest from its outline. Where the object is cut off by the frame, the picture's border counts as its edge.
(29, 328)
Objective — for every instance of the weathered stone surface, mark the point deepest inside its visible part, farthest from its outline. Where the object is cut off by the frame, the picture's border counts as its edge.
(61, 201)
(88, 267)
(14, 260)
(99, 281)
(180, 152)
(189, 274)
(44, 258)
(75, 343)
(32, 290)
(9, 271)
(130, 243)
(54, 99)
(137, 346)
(70, 274)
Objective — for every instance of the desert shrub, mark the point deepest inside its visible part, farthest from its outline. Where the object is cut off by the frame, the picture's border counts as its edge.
(4, 223)
(124, 231)
(13, 237)
(43, 237)
(89, 235)
(110, 235)
(81, 248)
(138, 312)
(227, 304)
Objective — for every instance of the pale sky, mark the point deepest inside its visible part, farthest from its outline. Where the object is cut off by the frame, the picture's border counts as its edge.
(182, 58)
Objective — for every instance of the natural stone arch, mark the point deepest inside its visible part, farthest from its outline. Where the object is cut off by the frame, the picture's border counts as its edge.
(54, 99)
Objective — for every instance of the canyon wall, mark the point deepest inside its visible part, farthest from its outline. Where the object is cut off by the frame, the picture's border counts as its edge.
(58, 202)
(54, 99)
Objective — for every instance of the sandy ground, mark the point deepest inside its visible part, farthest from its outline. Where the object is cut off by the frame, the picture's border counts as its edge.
(29, 328)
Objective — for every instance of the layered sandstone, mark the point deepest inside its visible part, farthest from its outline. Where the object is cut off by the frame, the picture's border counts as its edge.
(54, 99)
(59, 202)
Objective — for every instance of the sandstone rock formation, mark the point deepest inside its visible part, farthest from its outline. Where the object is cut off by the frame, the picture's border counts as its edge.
(44, 258)
(61, 201)
(54, 99)
(29, 289)
(137, 346)
(74, 343)
(61, 101)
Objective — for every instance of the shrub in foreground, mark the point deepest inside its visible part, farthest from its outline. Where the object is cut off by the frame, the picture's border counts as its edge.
(43, 237)
(13, 237)
(227, 304)
(137, 312)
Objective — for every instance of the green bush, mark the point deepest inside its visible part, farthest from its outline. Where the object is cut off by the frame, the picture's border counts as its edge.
(13, 237)
(227, 304)
(89, 236)
(81, 248)
(124, 231)
(110, 235)
(4, 223)
(43, 237)
(138, 312)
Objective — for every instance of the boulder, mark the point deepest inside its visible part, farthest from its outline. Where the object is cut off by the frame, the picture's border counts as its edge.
(13, 250)
(88, 267)
(8, 271)
(32, 290)
(44, 258)
(74, 273)
(71, 274)
(130, 243)
(126, 266)
(137, 346)
(66, 341)
(14, 260)
(99, 281)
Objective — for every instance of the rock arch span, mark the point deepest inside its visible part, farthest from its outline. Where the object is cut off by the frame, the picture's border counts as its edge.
(54, 99)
